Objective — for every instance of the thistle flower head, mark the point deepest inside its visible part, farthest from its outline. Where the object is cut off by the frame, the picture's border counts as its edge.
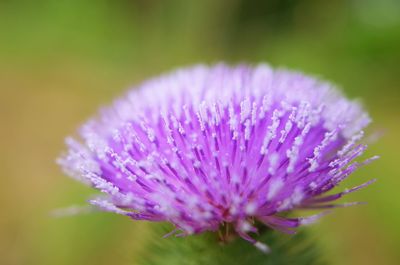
(202, 147)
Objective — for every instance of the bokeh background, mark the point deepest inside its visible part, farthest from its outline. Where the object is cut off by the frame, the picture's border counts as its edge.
(62, 59)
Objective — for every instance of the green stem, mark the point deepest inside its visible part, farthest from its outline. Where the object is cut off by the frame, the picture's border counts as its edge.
(208, 249)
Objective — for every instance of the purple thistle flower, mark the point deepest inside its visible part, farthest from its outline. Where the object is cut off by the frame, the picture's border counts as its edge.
(203, 147)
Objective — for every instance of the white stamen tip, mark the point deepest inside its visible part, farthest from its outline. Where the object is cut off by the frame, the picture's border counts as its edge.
(263, 247)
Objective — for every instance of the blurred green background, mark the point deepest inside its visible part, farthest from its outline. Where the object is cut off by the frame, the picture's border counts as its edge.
(60, 60)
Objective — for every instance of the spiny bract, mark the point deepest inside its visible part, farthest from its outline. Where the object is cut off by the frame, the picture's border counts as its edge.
(206, 146)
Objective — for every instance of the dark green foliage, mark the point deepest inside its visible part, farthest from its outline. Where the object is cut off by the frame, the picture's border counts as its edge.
(206, 249)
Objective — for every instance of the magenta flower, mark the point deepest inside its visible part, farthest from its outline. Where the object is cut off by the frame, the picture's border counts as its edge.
(204, 147)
